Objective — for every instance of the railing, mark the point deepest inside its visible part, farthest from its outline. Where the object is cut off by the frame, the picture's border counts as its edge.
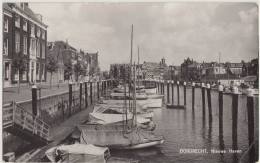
(8, 114)
(15, 114)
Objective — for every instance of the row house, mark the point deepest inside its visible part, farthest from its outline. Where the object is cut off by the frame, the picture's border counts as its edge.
(24, 45)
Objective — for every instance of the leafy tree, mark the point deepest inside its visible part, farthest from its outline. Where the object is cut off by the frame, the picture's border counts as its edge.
(68, 69)
(78, 69)
(20, 66)
(51, 66)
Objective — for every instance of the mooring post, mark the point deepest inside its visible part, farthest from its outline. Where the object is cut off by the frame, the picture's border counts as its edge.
(80, 95)
(178, 92)
(209, 102)
(220, 106)
(168, 92)
(70, 97)
(86, 94)
(172, 84)
(34, 100)
(250, 116)
(184, 92)
(203, 99)
(91, 93)
(193, 95)
(234, 116)
(98, 90)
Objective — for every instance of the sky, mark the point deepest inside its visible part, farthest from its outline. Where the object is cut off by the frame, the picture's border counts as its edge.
(199, 30)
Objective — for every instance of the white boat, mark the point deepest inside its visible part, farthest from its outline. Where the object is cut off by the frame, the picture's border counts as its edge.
(116, 136)
(150, 90)
(78, 153)
(141, 104)
(103, 118)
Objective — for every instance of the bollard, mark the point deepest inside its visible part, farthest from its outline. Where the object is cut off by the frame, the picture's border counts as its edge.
(172, 92)
(86, 94)
(161, 88)
(234, 116)
(80, 95)
(203, 99)
(98, 90)
(70, 97)
(34, 100)
(209, 102)
(220, 103)
(168, 91)
(193, 95)
(178, 93)
(91, 98)
(251, 132)
(184, 92)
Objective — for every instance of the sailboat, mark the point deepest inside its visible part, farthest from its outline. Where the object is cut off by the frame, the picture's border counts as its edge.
(124, 132)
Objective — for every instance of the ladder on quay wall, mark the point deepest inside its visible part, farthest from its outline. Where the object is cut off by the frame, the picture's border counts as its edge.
(21, 123)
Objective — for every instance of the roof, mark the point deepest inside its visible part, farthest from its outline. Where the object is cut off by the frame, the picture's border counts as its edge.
(27, 11)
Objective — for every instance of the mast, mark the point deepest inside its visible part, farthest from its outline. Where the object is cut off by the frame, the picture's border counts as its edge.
(138, 66)
(130, 71)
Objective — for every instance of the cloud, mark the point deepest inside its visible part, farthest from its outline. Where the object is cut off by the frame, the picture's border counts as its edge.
(171, 30)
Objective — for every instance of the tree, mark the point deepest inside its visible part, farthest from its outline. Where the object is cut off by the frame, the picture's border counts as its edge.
(51, 66)
(68, 70)
(20, 66)
(78, 69)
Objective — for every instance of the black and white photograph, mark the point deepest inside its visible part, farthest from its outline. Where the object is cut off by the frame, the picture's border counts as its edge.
(130, 82)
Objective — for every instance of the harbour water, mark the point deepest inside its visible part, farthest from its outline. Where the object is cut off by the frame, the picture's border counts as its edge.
(185, 129)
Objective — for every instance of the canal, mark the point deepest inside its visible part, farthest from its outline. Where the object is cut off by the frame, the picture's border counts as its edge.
(185, 129)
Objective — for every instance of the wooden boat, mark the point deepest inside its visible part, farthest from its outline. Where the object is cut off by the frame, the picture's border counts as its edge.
(149, 91)
(115, 136)
(121, 130)
(78, 153)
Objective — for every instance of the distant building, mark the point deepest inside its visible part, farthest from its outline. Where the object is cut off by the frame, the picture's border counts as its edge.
(119, 71)
(153, 70)
(24, 36)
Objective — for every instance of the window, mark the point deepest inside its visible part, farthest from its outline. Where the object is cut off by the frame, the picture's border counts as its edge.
(5, 48)
(33, 47)
(38, 71)
(43, 71)
(17, 21)
(7, 72)
(6, 25)
(24, 45)
(25, 25)
(43, 50)
(38, 49)
(32, 29)
(17, 42)
(43, 34)
(38, 32)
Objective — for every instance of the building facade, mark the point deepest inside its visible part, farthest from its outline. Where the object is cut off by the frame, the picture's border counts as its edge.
(24, 45)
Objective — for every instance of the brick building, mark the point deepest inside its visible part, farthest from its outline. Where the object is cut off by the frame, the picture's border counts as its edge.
(24, 36)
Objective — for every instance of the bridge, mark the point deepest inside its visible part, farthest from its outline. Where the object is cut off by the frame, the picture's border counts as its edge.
(21, 123)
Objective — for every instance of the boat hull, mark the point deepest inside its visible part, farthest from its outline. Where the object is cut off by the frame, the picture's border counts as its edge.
(150, 90)
(117, 136)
